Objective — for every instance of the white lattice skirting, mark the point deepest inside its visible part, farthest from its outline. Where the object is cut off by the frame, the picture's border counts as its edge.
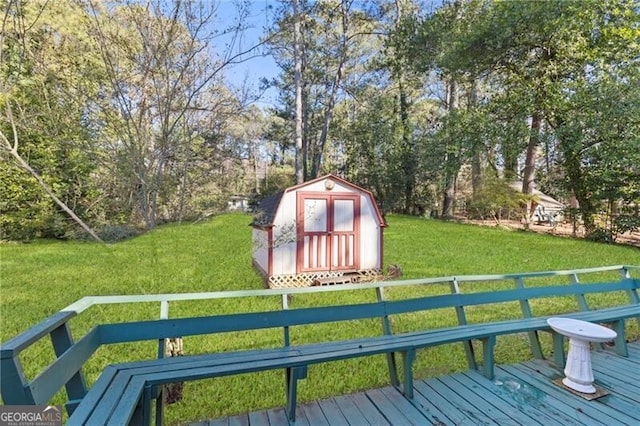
(307, 279)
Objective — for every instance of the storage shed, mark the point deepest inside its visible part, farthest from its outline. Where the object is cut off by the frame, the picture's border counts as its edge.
(326, 230)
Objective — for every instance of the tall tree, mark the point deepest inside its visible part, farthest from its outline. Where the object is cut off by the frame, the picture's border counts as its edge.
(436, 49)
(332, 31)
(297, 79)
(161, 74)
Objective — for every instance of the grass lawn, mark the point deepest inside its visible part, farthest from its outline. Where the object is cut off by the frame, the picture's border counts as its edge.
(40, 278)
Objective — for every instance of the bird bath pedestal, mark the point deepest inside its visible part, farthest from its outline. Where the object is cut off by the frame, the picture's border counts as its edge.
(579, 375)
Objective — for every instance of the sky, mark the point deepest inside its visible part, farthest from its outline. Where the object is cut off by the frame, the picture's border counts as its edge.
(255, 68)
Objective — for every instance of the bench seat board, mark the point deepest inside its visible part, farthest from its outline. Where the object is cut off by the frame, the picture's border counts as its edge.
(107, 402)
(89, 402)
(129, 400)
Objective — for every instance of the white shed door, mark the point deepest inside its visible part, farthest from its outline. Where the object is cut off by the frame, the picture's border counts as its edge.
(327, 232)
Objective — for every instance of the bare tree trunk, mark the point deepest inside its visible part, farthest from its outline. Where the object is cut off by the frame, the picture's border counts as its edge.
(476, 159)
(451, 166)
(184, 179)
(528, 175)
(298, 86)
(328, 112)
(407, 145)
(476, 170)
(408, 152)
(449, 197)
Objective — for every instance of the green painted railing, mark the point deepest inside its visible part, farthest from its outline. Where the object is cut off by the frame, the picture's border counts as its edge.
(72, 354)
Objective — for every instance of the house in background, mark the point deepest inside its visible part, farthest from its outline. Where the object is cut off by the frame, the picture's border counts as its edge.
(238, 203)
(545, 208)
(321, 230)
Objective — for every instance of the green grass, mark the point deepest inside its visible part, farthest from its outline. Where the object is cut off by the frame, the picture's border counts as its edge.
(40, 278)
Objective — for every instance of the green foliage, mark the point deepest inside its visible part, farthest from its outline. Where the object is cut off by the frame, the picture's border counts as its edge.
(112, 105)
(279, 178)
(573, 65)
(602, 164)
(49, 88)
(495, 199)
(618, 225)
(42, 277)
(626, 223)
(600, 235)
(22, 208)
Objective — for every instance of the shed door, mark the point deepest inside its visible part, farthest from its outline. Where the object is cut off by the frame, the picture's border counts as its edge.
(328, 227)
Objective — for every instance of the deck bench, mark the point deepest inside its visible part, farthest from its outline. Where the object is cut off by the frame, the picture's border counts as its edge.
(124, 392)
(121, 398)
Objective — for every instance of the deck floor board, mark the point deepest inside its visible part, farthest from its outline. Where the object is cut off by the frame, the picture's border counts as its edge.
(399, 411)
(314, 414)
(521, 394)
(516, 416)
(332, 412)
(373, 415)
(277, 416)
(451, 412)
(351, 411)
(519, 397)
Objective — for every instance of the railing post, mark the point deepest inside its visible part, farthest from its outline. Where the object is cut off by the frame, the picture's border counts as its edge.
(386, 329)
(15, 390)
(164, 314)
(582, 304)
(631, 293)
(76, 387)
(534, 339)
(624, 273)
(288, 371)
(462, 320)
(285, 329)
(582, 301)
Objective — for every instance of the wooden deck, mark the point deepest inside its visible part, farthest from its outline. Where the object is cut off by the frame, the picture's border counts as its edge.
(521, 394)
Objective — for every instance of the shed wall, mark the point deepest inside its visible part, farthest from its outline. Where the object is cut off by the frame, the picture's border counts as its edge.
(284, 236)
(370, 255)
(261, 249)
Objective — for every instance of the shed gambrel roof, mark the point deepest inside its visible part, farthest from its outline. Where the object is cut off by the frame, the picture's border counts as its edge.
(268, 206)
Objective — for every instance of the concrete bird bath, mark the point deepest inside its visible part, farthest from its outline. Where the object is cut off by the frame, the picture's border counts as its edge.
(579, 375)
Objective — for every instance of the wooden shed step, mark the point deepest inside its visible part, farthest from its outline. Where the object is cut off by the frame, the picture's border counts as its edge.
(345, 279)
